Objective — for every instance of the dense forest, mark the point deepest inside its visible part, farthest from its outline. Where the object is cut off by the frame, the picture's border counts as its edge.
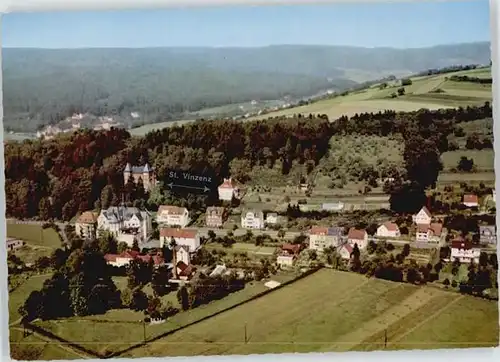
(72, 173)
(42, 86)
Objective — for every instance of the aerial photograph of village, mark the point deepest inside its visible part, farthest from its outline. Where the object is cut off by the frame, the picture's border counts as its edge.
(250, 180)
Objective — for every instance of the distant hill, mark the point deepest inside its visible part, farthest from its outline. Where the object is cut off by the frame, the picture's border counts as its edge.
(42, 86)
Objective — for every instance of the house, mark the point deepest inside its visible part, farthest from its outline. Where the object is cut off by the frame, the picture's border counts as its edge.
(464, 251)
(345, 251)
(125, 258)
(252, 219)
(144, 173)
(272, 218)
(185, 237)
(471, 200)
(184, 271)
(424, 216)
(321, 238)
(182, 254)
(337, 206)
(86, 225)
(388, 230)
(173, 216)
(126, 223)
(358, 236)
(228, 190)
(288, 254)
(487, 234)
(218, 270)
(13, 244)
(429, 233)
(215, 216)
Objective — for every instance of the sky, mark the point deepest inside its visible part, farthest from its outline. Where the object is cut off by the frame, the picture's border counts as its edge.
(386, 24)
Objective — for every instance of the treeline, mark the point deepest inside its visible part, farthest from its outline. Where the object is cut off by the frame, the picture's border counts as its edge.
(58, 178)
(466, 78)
(445, 70)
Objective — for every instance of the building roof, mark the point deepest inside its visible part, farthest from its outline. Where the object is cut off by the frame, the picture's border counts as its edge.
(472, 199)
(436, 228)
(228, 183)
(180, 247)
(272, 214)
(178, 233)
(348, 247)
(331, 231)
(256, 213)
(88, 217)
(356, 234)
(138, 169)
(423, 228)
(291, 248)
(426, 210)
(460, 243)
(215, 211)
(171, 210)
(116, 214)
(391, 226)
(186, 270)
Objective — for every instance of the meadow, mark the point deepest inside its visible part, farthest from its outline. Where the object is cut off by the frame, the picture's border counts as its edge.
(338, 311)
(34, 235)
(120, 329)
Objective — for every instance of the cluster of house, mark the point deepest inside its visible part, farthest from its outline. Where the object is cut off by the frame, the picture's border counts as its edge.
(13, 244)
(74, 123)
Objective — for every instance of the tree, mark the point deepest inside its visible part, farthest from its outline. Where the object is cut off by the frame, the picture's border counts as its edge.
(183, 297)
(211, 235)
(281, 233)
(465, 164)
(406, 250)
(406, 81)
(172, 246)
(446, 282)
(135, 245)
(401, 91)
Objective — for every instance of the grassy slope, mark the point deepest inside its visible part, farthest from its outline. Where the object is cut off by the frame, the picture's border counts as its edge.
(333, 311)
(19, 295)
(417, 96)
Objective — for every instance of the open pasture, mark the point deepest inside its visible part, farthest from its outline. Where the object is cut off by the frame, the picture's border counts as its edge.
(34, 235)
(483, 159)
(337, 311)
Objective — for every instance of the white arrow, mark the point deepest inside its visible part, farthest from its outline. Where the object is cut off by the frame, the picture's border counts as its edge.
(204, 188)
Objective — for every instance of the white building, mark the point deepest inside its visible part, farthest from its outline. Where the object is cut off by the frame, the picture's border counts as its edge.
(429, 233)
(173, 216)
(182, 254)
(184, 237)
(13, 244)
(252, 219)
(272, 218)
(424, 216)
(228, 190)
(464, 251)
(345, 251)
(336, 206)
(321, 238)
(388, 230)
(285, 260)
(494, 196)
(357, 236)
(86, 225)
(471, 200)
(126, 223)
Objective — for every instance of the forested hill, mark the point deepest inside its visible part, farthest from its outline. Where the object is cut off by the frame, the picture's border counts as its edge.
(42, 86)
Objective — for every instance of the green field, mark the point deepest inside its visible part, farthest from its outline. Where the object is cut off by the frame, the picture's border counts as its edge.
(141, 131)
(336, 311)
(20, 294)
(446, 178)
(36, 348)
(483, 159)
(420, 94)
(34, 235)
(119, 329)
